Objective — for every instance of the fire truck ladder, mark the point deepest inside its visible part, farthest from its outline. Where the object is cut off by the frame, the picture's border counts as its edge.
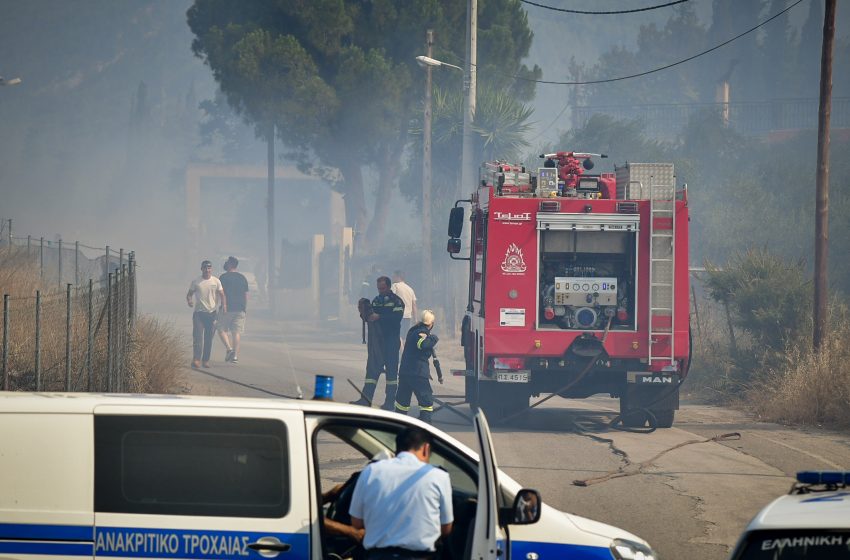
(662, 233)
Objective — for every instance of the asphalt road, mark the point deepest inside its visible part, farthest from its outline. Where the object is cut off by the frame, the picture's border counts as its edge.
(689, 498)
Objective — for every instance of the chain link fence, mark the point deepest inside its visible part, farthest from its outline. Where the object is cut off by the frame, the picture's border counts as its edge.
(68, 316)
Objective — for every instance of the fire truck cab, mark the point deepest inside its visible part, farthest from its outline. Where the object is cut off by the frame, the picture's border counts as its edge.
(578, 285)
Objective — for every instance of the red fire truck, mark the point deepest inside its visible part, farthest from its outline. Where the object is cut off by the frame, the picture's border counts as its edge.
(578, 285)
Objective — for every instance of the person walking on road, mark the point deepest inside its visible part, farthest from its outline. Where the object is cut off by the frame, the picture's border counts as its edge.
(207, 292)
(404, 503)
(403, 290)
(414, 375)
(387, 311)
(231, 323)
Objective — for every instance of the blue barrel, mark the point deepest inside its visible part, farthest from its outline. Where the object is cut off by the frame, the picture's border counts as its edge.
(324, 388)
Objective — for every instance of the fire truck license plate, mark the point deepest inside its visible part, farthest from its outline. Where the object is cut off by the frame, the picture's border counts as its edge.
(512, 376)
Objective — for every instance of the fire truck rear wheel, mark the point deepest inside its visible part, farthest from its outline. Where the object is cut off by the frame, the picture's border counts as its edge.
(664, 418)
(501, 400)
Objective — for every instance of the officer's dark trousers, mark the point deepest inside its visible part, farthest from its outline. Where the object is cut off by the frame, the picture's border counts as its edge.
(203, 329)
(421, 387)
(394, 553)
(389, 363)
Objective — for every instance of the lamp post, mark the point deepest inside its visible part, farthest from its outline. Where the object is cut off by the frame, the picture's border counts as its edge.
(428, 63)
(426, 173)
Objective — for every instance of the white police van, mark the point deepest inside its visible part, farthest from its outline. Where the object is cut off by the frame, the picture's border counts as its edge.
(177, 477)
(811, 522)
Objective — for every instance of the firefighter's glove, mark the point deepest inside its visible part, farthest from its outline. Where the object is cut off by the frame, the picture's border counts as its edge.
(439, 371)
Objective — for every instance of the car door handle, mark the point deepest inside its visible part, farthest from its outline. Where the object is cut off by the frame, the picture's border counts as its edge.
(269, 547)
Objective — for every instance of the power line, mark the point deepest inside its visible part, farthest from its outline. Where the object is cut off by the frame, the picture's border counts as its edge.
(714, 48)
(659, 69)
(585, 12)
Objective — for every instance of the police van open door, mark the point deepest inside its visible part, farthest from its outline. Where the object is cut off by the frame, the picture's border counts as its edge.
(490, 538)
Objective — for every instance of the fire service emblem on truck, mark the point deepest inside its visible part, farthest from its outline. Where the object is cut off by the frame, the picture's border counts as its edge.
(513, 264)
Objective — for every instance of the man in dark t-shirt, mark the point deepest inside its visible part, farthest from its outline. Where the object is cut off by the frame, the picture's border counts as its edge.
(231, 319)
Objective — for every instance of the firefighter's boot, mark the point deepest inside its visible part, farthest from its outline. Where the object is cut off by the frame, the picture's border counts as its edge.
(425, 414)
(367, 395)
(389, 402)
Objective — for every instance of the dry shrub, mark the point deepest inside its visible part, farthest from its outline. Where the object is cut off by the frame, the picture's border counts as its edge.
(713, 375)
(157, 356)
(19, 273)
(810, 387)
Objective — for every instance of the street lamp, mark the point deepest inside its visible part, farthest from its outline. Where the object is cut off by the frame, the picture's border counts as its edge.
(425, 61)
(11, 82)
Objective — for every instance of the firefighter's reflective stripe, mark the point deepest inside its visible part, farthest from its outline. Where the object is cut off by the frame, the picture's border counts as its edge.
(392, 382)
(426, 408)
(420, 341)
(401, 407)
(372, 381)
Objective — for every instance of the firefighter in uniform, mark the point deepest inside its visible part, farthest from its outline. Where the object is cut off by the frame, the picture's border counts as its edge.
(415, 372)
(387, 312)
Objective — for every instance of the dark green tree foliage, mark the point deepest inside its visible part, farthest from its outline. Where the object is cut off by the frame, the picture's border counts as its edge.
(338, 77)
(769, 299)
(683, 33)
(779, 55)
(809, 50)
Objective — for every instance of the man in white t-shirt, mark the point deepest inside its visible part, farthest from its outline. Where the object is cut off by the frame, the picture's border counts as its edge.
(204, 295)
(408, 296)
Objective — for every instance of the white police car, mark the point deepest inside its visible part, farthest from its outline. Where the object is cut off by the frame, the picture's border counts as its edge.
(811, 522)
(177, 477)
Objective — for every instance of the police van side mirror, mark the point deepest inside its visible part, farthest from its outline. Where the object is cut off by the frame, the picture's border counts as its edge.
(453, 246)
(526, 509)
(455, 222)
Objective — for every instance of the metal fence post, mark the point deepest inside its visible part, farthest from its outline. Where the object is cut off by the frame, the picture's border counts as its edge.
(68, 337)
(38, 386)
(60, 262)
(120, 257)
(5, 371)
(29, 242)
(90, 342)
(109, 332)
(131, 266)
(76, 263)
(106, 263)
(119, 319)
(41, 258)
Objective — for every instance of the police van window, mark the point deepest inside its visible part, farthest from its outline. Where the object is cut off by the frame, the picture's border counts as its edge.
(226, 467)
(796, 544)
(373, 442)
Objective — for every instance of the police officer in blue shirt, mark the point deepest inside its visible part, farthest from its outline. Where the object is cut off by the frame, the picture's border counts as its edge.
(404, 504)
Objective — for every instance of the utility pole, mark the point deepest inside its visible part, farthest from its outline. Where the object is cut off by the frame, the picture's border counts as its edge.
(822, 181)
(426, 174)
(270, 267)
(467, 175)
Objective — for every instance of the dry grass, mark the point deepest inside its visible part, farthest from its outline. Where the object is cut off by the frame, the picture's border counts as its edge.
(812, 387)
(157, 354)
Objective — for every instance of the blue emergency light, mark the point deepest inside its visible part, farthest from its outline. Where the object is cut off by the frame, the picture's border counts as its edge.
(823, 477)
(324, 388)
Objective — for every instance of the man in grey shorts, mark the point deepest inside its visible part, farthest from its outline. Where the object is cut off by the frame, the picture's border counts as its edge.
(231, 323)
